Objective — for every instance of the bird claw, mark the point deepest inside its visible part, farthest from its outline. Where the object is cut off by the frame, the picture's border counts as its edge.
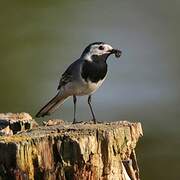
(94, 121)
(76, 122)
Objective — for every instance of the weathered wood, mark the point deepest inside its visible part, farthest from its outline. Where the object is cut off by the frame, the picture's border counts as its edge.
(72, 152)
(13, 123)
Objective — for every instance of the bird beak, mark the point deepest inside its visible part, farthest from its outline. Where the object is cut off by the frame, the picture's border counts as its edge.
(116, 52)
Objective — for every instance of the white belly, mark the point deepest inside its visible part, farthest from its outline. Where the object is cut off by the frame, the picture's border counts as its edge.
(81, 88)
(90, 87)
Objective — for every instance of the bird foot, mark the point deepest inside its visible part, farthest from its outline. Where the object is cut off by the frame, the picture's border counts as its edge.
(76, 122)
(94, 121)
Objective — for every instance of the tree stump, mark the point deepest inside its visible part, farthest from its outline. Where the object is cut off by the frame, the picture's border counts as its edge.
(81, 151)
(13, 123)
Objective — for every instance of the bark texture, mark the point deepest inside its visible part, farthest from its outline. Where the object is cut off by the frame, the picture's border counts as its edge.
(72, 152)
(11, 123)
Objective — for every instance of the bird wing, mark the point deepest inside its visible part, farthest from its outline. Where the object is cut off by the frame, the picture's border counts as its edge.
(68, 75)
(65, 78)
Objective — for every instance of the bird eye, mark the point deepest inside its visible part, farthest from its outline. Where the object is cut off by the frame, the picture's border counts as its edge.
(101, 47)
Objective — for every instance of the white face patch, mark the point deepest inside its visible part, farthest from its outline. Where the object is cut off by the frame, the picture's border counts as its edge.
(98, 49)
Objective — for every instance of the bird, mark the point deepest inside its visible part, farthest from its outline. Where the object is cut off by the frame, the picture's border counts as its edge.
(82, 78)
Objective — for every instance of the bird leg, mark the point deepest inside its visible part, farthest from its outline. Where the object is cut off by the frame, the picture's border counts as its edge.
(74, 101)
(89, 102)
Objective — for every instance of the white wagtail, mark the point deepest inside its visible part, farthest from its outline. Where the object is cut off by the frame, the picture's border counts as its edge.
(82, 77)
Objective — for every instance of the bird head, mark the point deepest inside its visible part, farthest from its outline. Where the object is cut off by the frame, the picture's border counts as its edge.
(99, 51)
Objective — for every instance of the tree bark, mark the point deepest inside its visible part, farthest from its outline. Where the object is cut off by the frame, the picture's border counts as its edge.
(11, 123)
(81, 151)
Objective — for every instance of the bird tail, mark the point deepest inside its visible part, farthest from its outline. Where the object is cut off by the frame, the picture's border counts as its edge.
(52, 105)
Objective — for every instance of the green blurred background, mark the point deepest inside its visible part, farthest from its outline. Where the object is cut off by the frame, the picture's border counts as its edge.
(39, 39)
